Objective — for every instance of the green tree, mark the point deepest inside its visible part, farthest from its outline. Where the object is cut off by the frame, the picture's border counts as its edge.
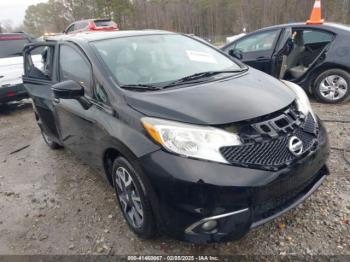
(207, 18)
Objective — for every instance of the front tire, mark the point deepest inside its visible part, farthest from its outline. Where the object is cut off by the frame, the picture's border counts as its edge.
(51, 144)
(332, 86)
(132, 196)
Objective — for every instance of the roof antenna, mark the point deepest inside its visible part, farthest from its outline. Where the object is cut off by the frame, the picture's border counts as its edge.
(316, 18)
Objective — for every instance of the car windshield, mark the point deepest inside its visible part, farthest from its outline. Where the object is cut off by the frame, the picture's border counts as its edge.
(157, 59)
(11, 47)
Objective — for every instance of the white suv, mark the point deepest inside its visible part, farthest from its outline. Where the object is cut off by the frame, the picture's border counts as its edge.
(11, 66)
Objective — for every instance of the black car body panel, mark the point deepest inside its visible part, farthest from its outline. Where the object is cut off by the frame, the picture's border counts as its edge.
(200, 194)
(249, 96)
(184, 190)
(335, 55)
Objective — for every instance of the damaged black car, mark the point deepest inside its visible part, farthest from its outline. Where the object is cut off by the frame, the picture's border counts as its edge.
(197, 145)
(316, 57)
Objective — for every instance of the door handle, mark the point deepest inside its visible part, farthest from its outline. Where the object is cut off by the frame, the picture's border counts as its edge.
(261, 58)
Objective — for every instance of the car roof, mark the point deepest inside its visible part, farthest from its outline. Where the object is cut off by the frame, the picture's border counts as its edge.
(15, 33)
(18, 34)
(95, 36)
(92, 20)
(327, 26)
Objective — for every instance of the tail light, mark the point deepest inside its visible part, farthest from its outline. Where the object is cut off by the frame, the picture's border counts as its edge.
(101, 25)
(11, 37)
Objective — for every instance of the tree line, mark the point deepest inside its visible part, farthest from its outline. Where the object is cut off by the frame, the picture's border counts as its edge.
(206, 18)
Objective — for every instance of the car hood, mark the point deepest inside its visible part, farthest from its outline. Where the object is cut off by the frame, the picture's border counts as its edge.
(245, 97)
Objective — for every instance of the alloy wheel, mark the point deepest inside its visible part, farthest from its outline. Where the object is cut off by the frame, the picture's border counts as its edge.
(129, 197)
(333, 87)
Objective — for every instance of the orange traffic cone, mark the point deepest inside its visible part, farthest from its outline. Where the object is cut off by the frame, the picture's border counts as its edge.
(316, 18)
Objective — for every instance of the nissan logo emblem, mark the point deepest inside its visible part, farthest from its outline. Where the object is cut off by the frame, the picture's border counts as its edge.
(295, 146)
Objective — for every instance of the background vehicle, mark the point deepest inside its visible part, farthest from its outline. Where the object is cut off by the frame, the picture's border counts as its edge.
(11, 66)
(315, 57)
(196, 145)
(91, 25)
(230, 39)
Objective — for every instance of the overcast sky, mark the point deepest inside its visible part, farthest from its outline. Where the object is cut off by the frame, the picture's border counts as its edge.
(15, 9)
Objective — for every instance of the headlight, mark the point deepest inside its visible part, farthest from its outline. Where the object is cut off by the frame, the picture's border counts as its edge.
(190, 140)
(302, 100)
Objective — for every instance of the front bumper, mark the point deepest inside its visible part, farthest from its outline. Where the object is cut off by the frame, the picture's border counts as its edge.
(10, 93)
(189, 192)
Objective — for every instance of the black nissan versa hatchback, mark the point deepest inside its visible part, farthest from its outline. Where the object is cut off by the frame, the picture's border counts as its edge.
(197, 145)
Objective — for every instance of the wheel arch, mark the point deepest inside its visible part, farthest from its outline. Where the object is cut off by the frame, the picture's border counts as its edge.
(117, 149)
(319, 70)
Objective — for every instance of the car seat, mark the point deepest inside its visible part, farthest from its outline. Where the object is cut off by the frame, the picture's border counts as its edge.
(295, 68)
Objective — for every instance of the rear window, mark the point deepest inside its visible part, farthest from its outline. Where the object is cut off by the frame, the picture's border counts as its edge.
(104, 23)
(12, 46)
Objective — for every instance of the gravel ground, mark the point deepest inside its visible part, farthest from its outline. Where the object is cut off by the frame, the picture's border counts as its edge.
(52, 203)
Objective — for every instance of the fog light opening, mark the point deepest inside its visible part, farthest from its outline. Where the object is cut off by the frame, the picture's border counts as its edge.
(209, 225)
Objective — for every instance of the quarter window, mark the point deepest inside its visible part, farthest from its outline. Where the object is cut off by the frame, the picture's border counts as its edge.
(73, 66)
(101, 95)
(316, 37)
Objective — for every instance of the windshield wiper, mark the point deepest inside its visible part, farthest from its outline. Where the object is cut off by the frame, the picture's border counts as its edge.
(193, 78)
(141, 87)
(188, 79)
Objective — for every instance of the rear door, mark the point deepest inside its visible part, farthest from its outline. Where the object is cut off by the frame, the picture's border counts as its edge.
(315, 41)
(283, 48)
(257, 49)
(39, 76)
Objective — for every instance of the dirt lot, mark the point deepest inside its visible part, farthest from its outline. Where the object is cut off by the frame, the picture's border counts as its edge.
(52, 203)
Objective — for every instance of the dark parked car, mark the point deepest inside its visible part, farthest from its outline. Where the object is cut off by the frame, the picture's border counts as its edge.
(11, 66)
(91, 25)
(316, 57)
(196, 144)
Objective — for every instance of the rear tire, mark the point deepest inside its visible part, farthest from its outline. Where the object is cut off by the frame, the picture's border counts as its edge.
(332, 86)
(133, 198)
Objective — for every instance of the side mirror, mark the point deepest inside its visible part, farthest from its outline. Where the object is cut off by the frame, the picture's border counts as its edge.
(68, 89)
(236, 53)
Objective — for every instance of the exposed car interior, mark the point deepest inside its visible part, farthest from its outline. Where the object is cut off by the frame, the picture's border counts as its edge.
(305, 47)
(40, 68)
(297, 48)
(157, 60)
